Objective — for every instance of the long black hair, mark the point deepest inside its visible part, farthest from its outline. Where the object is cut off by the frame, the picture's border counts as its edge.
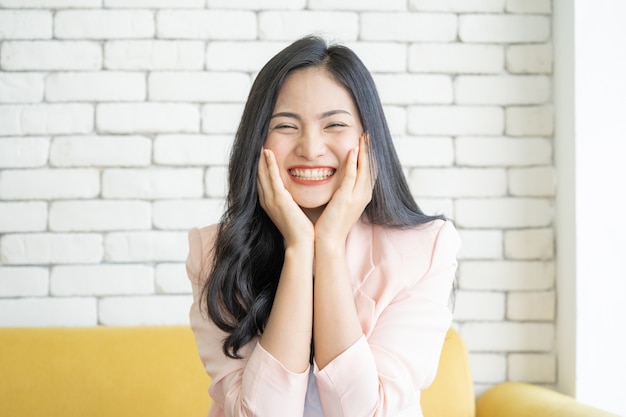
(249, 250)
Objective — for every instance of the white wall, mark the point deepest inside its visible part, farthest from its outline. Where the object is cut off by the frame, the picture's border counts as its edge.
(590, 98)
(600, 228)
(116, 115)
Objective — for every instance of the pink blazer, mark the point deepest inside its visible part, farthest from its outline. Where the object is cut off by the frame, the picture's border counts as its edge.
(402, 281)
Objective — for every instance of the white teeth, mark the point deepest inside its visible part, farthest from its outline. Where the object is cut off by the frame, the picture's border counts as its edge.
(316, 174)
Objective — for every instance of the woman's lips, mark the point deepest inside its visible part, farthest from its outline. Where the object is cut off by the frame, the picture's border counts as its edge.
(311, 175)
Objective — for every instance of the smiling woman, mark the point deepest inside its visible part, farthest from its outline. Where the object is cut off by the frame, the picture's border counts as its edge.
(312, 133)
(323, 291)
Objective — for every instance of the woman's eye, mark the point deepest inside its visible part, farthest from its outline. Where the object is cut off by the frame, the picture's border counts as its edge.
(284, 127)
(335, 125)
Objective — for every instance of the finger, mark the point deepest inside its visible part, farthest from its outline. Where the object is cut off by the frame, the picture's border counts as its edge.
(263, 181)
(350, 176)
(262, 174)
(271, 165)
(364, 176)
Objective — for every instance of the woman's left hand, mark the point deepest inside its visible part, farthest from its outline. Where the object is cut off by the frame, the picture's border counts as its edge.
(349, 201)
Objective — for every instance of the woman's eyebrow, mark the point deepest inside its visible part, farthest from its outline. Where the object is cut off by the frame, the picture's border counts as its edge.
(321, 116)
(286, 114)
(334, 112)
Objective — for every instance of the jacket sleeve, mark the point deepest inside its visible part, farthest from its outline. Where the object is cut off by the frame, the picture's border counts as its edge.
(383, 373)
(252, 386)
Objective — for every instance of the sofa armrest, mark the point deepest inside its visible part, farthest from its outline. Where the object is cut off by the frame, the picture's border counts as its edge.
(513, 399)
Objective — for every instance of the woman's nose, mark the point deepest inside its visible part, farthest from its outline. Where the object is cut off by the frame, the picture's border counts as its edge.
(310, 145)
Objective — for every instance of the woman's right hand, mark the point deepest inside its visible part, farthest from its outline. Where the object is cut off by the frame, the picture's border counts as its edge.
(279, 205)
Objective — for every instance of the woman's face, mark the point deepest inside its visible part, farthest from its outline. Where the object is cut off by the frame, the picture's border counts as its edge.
(314, 126)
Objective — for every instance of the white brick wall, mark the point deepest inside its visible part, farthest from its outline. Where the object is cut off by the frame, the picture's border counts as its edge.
(117, 116)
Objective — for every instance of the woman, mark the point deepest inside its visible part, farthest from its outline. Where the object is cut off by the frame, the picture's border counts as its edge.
(323, 290)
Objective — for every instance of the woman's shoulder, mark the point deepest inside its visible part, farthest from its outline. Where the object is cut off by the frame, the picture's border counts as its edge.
(417, 246)
(424, 235)
(201, 243)
(204, 235)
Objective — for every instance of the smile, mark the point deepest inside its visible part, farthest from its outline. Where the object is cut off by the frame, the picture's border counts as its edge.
(312, 174)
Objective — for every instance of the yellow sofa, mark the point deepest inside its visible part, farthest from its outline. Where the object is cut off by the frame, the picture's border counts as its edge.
(155, 371)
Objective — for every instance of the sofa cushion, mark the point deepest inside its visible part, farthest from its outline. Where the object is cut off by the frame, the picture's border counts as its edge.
(101, 371)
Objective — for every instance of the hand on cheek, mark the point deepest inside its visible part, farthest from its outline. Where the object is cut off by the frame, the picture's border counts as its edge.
(279, 204)
(350, 200)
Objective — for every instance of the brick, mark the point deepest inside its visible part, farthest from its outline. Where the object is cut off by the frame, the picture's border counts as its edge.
(257, 5)
(50, 4)
(456, 58)
(468, 120)
(152, 246)
(248, 56)
(50, 55)
(154, 55)
(458, 182)
(50, 248)
(221, 118)
(480, 244)
(43, 184)
(503, 151)
(10, 119)
(23, 281)
(505, 89)
(381, 57)
(46, 119)
(104, 24)
(96, 86)
(206, 24)
(149, 4)
(199, 86)
(504, 28)
(529, 6)
(185, 214)
(532, 59)
(434, 206)
(408, 27)
(152, 183)
(289, 25)
(488, 367)
(215, 181)
(21, 88)
(23, 152)
(532, 368)
(76, 151)
(146, 310)
(25, 24)
(363, 5)
(503, 213)
(477, 305)
(188, 150)
(507, 275)
(424, 151)
(529, 244)
(169, 279)
(531, 306)
(530, 121)
(401, 89)
(23, 217)
(508, 337)
(101, 280)
(147, 117)
(48, 312)
(396, 119)
(458, 6)
(99, 215)
(532, 182)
